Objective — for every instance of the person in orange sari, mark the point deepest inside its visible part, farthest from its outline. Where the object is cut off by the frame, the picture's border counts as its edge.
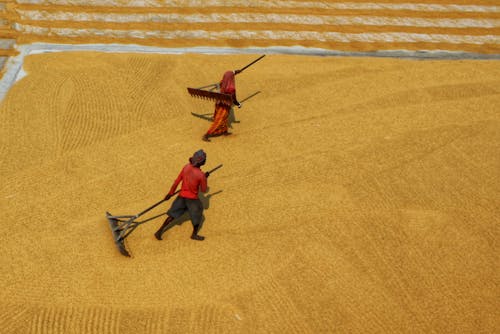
(222, 108)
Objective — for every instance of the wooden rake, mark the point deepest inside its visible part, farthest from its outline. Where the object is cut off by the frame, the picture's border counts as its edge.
(122, 226)
(212, 91)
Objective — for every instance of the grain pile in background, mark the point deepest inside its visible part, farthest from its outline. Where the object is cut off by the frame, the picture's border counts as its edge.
(453, 25)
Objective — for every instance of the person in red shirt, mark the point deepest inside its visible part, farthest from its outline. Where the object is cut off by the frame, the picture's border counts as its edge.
(223, 108)
(193, 179)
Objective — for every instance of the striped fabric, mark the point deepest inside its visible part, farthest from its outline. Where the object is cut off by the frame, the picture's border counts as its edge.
(415, 25)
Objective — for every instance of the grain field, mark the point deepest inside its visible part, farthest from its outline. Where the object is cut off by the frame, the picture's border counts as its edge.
(358, 195)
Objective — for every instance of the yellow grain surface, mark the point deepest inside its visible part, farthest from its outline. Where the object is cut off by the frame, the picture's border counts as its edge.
(358, 195)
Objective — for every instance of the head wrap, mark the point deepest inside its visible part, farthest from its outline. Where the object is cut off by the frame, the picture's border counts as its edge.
(198, 158)
(227, 85)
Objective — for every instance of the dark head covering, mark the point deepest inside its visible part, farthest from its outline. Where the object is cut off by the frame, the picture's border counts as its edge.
(198, 158)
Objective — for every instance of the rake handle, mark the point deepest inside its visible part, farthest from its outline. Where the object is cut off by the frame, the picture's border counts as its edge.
(213, 170)
(256, 60)
(152, 206)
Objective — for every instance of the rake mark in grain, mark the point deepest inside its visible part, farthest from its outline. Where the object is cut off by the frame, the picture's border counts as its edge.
(88, 122)
(61, 105)
(154, 323)
(12, 316)
(74, 119)
(143, 95)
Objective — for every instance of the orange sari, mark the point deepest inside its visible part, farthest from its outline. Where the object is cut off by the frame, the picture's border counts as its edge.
(221, 116)
(222, 109)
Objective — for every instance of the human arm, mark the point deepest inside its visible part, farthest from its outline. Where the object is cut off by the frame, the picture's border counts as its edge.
(174, 186)
(203, 182)
(235, 100)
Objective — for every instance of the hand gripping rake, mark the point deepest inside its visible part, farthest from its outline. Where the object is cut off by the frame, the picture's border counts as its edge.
(122, 226)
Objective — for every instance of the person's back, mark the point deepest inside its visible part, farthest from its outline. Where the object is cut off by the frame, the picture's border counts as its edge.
(193, 180)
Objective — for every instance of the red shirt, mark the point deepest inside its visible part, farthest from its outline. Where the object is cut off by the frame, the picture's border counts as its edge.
(192, 179)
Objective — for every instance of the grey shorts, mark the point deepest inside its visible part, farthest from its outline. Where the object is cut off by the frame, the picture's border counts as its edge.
(193, 206)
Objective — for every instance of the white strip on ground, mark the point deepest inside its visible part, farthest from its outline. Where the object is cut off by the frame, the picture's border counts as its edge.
(35, 15)
(269, 4)
(14, 70)
(389, 37)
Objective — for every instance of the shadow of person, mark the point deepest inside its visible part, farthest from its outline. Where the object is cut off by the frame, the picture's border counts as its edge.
(205, 201)
(231, 119)
(205, 198)
(232, 115)
(210, 117)
(207, 116)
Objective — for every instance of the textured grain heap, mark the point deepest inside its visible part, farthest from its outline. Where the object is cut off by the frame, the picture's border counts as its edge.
(357, 196)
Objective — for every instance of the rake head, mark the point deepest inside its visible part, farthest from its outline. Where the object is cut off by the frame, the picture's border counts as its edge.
(115, 230)
(205, 94)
